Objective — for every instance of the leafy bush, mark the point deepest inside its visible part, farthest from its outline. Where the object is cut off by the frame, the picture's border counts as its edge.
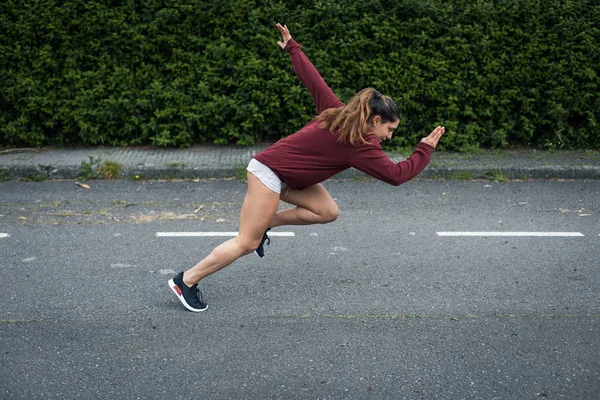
(179, 72)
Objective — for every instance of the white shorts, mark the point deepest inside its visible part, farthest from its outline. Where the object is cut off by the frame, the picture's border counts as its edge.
(265, 174)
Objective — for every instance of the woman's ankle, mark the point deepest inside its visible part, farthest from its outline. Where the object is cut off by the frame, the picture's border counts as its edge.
(188, 280)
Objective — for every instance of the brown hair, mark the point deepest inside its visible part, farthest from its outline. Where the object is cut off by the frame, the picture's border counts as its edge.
(349, 121)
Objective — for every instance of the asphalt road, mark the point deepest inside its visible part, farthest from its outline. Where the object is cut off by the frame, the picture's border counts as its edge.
(376, 305)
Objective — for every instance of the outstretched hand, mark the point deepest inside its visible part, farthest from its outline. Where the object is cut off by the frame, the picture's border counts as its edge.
(434, 137)
(285, 33)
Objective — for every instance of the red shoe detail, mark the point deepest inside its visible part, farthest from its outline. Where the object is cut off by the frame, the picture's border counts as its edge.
(178, 290)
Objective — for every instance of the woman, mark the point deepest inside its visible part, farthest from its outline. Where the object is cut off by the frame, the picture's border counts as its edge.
(340, 137)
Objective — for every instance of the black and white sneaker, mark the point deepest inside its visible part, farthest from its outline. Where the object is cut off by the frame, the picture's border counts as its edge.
(190, 297)
(260, 251)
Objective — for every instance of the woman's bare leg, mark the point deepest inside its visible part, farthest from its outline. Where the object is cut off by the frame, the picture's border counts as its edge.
(257, 212)
(314, 205)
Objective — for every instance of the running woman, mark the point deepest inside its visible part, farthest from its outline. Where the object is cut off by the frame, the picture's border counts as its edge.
(291, 170)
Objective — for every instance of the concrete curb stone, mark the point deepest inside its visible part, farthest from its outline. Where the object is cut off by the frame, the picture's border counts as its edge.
(222, 162)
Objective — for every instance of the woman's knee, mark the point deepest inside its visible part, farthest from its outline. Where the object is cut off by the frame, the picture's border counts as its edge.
(247, 245)
(330, 214)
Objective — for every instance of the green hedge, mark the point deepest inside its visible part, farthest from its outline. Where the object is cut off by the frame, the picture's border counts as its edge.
(179, 72)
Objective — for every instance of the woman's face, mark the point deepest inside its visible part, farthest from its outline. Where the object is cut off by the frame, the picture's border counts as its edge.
(383, 130)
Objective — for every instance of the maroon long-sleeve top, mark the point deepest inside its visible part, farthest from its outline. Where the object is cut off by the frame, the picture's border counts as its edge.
(314, 154)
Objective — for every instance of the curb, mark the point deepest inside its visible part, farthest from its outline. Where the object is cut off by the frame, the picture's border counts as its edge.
(515, 172)
(43, 172)
(206, 162)
(71, 172)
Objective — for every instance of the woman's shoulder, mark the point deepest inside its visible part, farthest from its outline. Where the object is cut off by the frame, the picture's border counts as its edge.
(371, 141)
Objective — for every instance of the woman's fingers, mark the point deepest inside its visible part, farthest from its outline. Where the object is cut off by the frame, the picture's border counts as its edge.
(434, 136)
(437, 134)
(285, 32)
(283, 29)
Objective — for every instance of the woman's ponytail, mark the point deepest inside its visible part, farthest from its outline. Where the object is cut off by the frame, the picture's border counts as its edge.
(350, 120)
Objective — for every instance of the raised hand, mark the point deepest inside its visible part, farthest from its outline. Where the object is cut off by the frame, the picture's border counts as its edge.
(434, 137)
(285, 33)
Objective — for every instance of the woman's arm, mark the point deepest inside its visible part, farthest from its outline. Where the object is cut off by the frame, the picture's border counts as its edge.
(371, 159)
(322, 95)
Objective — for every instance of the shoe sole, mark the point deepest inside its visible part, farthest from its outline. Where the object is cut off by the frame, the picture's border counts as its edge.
(258, 255)
(177, 292)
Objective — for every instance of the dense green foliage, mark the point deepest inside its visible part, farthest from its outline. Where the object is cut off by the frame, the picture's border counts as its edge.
(177, 72)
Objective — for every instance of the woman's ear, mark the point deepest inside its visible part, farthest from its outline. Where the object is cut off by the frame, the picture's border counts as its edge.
(376, 120)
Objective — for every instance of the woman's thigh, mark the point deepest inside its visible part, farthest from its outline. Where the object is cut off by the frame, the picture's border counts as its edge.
(258, 209)
(315, 198)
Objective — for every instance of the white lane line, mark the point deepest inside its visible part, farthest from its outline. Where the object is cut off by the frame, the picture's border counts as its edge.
(4, 235)
(122, 266)
(521, 234)
(213, 234)
(167, 271)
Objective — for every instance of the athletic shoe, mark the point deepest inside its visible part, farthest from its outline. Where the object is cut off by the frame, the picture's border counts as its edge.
(260, 251)
(190, 297)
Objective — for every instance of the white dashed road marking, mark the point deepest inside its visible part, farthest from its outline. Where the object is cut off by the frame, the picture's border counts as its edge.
(507, 234)
(167, 271)
(213, 234)
(122, 266)
(452, 233)
(4, 235)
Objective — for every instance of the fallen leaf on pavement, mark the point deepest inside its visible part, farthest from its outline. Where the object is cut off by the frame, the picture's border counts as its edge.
(83, 185)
